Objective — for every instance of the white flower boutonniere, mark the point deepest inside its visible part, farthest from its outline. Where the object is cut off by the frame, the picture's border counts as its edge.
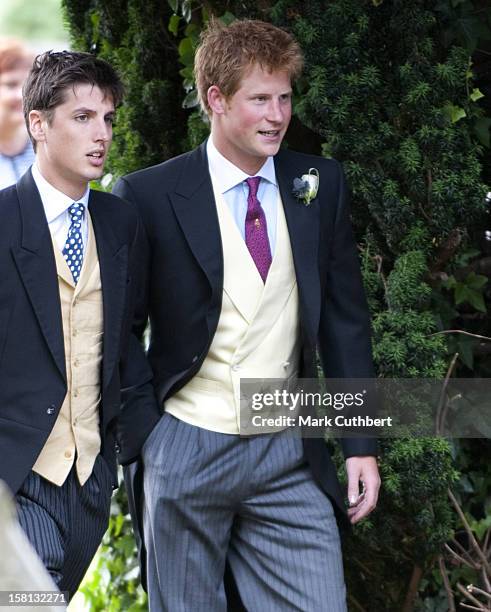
(306, 187)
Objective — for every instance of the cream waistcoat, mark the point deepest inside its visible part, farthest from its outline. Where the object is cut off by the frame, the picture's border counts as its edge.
(76, 430)
(257, 334)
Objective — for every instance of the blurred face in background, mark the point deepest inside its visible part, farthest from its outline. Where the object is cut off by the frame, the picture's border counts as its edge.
(11, 82)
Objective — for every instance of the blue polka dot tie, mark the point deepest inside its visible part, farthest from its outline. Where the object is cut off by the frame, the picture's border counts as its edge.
(73, 251)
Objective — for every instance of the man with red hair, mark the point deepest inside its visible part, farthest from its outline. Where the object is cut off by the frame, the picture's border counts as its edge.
(245, 273)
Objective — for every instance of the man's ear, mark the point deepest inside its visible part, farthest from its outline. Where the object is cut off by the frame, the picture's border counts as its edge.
(37, 125)
(216, 100)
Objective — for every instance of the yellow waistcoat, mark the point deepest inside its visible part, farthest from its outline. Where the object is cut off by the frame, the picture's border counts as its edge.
(75, 434)
(257, 334)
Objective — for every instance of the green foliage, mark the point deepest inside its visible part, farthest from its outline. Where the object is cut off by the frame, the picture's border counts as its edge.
(468, 290)
(400, 109)
(115, 585)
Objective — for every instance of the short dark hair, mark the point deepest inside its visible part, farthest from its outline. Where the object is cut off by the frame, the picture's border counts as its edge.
(54, 72)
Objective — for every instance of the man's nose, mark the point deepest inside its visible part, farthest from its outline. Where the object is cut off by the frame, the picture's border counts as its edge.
(275, 111)
(103, 131)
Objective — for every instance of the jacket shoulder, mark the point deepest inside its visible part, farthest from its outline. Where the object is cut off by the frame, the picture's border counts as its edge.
(153, 177)
(304, 161)
(9, 207)
(113, 203)
(8, 195)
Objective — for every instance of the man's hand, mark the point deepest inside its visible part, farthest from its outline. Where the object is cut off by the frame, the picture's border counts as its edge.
(364, 470)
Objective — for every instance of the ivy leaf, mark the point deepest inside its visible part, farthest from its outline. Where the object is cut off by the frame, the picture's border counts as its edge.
(476, 281)
(174, 24)
(186, 52)
(227, 18)
(187, 10)
(476, 94)
(454, 113)
(191, 100)
(463, 293)
(450, 282)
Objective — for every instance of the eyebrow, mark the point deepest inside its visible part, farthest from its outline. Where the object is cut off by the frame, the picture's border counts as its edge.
(283, 93)
(91, 111)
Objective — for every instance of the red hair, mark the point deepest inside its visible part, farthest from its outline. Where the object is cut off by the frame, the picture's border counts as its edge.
(14, 55)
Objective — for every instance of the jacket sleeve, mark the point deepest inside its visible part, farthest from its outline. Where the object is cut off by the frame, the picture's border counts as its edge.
(344, 330)
(139, 410)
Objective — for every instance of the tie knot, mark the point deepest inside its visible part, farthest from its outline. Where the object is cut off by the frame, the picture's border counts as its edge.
(76, 212)
(253, 184)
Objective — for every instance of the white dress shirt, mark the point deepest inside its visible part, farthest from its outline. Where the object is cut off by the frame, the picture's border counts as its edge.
(230, 181)
(56, 205)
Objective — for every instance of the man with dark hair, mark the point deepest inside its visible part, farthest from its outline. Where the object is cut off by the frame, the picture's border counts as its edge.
(242, 279)
(65, 258)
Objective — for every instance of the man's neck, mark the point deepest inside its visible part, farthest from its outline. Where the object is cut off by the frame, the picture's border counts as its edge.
(250, 165)
(74, 192)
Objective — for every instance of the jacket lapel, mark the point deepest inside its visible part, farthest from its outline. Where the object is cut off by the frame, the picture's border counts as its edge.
(194, 205)
(303, 227)
(36, 264)
(113, 263)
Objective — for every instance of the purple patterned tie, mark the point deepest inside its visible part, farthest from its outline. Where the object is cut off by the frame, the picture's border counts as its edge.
(256, 230)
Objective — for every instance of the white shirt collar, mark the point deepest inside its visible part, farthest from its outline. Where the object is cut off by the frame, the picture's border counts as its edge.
(55, 202)
(227, 175)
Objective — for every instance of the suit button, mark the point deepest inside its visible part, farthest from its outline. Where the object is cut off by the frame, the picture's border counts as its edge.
(235, 367)
(51, 409)
(68, 454)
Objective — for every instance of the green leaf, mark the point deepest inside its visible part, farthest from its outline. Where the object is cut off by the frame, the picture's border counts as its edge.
(187, 73)
(191, 100)
(476, 299)
(227, 18)
(191, 29)
(174, 4)
(186, 51)
(476, 94)
(450, 282)
(454, 113)
(461, 293)
(174, 24)
(476, 281)
(187, 10)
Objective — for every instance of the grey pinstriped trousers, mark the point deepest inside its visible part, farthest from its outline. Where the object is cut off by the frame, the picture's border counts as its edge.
(65, 524)
(211, 497)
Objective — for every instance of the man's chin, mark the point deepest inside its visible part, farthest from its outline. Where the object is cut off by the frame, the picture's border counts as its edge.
(94, 174)
(271, 150)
